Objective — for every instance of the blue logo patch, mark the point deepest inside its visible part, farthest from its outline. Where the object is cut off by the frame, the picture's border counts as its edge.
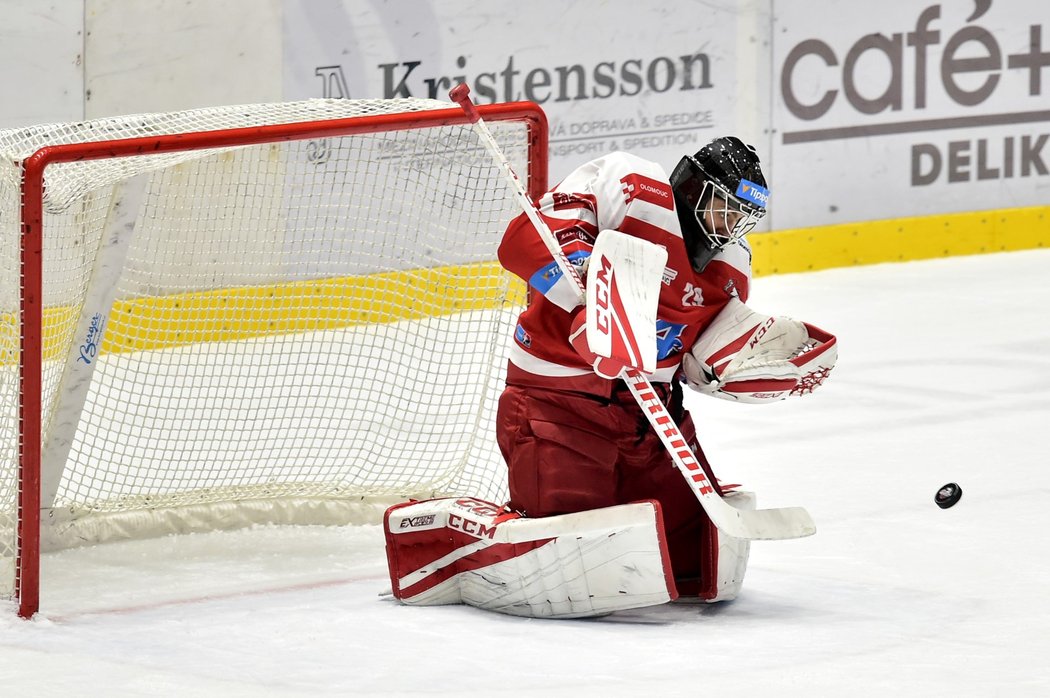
(522, 336)
(756, 194)
(544, 279)
(668, 338)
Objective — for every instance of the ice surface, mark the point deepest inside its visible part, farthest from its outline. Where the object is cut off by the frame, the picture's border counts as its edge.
(944, 375)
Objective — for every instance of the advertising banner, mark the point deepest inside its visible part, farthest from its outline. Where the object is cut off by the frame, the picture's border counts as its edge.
(658, 80)
(909, 109)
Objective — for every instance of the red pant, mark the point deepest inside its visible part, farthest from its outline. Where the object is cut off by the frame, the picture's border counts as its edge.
(569, 452)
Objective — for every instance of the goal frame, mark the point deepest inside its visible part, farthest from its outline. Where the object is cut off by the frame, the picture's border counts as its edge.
(28, 533)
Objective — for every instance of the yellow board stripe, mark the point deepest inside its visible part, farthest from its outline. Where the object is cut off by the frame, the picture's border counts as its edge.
(302, 306)
(900, 239)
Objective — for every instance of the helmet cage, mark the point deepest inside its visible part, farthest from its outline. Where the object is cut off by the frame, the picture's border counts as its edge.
(733, 218)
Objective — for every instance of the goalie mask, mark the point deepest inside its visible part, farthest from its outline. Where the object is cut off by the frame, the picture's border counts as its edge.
(720, 194)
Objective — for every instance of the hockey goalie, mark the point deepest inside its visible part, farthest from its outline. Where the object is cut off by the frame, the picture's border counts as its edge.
(598, 518)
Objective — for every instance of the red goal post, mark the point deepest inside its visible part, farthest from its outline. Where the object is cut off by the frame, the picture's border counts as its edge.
(222, 145)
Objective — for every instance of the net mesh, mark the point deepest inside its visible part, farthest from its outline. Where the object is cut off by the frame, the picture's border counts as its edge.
(302, 321)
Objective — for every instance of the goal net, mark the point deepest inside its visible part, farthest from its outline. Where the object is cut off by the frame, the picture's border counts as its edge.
(269, 313)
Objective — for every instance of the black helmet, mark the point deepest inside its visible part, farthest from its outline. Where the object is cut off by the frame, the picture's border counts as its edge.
(721, 196)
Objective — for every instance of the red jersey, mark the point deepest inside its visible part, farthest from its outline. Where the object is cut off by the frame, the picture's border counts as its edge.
(632, 195)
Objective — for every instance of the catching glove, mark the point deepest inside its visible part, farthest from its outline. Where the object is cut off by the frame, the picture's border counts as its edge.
(746, 356)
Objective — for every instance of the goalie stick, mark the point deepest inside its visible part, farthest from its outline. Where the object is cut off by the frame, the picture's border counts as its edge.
(757, 524)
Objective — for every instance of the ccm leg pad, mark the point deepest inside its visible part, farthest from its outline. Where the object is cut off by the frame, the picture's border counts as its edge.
(448, 551)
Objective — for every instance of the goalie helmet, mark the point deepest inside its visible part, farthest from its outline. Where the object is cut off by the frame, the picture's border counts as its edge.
(720, 194)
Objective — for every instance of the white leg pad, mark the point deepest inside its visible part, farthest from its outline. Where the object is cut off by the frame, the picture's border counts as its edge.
(448, 551)
(732, 552)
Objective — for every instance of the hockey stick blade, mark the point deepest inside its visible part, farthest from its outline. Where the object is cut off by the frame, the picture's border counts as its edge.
(760, 524)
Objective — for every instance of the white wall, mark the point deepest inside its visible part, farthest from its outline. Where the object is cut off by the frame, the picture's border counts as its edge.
(967, 130)
(41, 47)
(70, 60)
(162, 55)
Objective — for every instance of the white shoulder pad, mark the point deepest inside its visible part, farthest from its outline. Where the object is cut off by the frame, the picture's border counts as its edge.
(604, 178)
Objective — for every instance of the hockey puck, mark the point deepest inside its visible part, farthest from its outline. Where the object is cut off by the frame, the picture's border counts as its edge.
(948, 495)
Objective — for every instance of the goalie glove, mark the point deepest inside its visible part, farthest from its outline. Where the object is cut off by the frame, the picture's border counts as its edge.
(616, 328)
(746, 356)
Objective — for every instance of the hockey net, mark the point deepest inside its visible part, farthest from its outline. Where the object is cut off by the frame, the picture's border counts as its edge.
(269, 313)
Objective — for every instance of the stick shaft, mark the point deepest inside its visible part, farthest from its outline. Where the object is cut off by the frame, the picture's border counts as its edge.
(767, 524)
(461, 96)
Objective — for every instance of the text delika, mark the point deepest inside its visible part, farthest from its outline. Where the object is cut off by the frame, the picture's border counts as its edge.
(966, 161)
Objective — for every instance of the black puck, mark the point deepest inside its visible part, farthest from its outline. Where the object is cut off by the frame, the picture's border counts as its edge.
(948, 495)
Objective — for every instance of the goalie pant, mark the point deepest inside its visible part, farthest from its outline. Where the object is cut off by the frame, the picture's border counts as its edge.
(570, 452)
(449, 551)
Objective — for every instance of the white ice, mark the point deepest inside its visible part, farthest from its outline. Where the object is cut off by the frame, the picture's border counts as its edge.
(944, 375)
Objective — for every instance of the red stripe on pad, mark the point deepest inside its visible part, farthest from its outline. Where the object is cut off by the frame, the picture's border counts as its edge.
(731, 348)
(498, 552)
(765, 385)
